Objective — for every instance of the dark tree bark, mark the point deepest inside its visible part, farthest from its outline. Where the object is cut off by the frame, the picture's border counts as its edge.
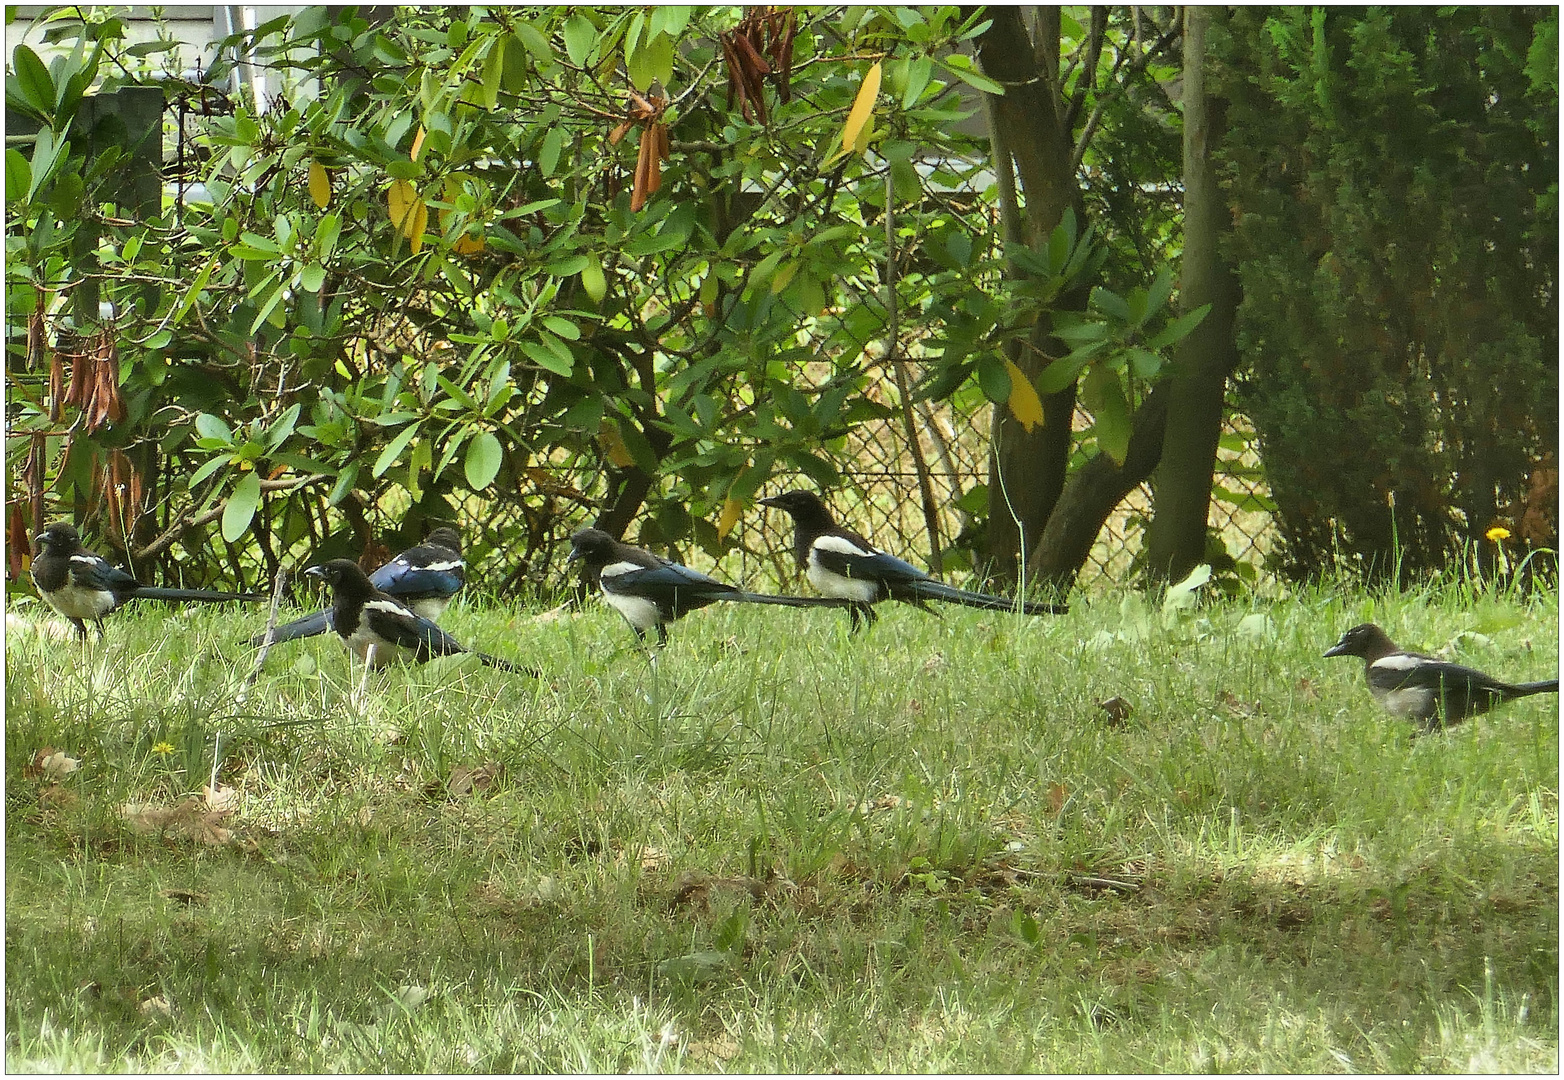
(1197, 379)
(1027, 471)
(1093, 492)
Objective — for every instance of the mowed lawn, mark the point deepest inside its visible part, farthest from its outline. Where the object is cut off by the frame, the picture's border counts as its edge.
(781, 848)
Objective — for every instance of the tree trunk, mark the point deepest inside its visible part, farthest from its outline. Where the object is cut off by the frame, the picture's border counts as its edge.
(1197, 379)
(1026, 472)
(1093, 492)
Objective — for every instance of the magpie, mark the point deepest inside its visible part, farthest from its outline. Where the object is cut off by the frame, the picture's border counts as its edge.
(1434, 692)
(651, 591)
(365, 618)
(841, 563)
(424, 578)
(82, 584)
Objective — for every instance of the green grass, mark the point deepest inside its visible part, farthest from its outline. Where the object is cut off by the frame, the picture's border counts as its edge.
(783, 849)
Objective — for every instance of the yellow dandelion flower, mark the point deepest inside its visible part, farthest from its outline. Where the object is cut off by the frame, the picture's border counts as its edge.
(1498, 532)
(163, 748)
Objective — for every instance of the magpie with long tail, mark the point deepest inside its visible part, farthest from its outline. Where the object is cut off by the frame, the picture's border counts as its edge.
(1433, 692)
(842, 563)
(651, 591)
(380, 629)
(423, 578)
(81, 584)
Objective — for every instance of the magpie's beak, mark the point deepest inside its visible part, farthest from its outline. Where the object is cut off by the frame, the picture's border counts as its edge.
(575, 553)
(316, 572)
(772, 501)
(1337, 649)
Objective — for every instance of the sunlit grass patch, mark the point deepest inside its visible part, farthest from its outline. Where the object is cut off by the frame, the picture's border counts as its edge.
(782, 848)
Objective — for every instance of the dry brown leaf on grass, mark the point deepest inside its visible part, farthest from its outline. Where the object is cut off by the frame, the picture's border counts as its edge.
(1118, 710)
(465, 779)
(186, 896)
(50, 764)
(222, 799)
(1058, 795)
(189, 818)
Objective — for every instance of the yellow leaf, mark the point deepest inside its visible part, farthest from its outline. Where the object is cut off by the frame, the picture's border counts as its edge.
(731, 509)
(399, 200)
(320, 185)
(415, 230)
(418, 143)
(861, 144)
(614, 444)
(1025, 405)
(863, 107)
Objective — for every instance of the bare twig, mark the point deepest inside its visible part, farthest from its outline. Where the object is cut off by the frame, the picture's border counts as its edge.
(266, 642)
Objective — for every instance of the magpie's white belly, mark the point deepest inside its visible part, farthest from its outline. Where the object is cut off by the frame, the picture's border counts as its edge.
(431, 607)
(1408, 700)
(359, 643)
(839, 587)
(638, 611)
(78, 602)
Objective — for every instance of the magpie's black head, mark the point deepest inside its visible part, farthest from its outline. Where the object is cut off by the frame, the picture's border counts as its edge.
(1365, 640)
(59, 537)
(445, 537)
(806, 507)
(593, 545)
(344, 576)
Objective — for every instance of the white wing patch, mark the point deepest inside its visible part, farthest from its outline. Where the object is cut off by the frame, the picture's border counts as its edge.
(90, 560)
(841, 546)
(389, 606)
(1398, 662)
(437, 566)
(617, 569)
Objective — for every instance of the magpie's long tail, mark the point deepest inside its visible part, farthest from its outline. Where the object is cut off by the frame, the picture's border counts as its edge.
(202, 596)
(308, 626)
(786, 601)
(506, 665)
(934, 590)
(1526, 689)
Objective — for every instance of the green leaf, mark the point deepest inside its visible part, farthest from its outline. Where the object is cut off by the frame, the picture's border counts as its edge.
(994, 379)
(535, 42)
(388, 457)
(563, 268)
(493, 68)
(1110, 303)
(553, 143)
(1178, 329)
(18, 175)
(240, 510)
(312, 277)
(961, 67)
(580, 39)
(548, 359)
(484, 456)
(33, 83)
(919, 72)
(1112, 415)
(652, 61)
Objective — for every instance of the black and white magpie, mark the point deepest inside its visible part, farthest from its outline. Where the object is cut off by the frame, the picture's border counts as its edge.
(424, 578)
(82, 584)
(1434, 692)
(841, 563)
(651, 591)
(365, 618)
